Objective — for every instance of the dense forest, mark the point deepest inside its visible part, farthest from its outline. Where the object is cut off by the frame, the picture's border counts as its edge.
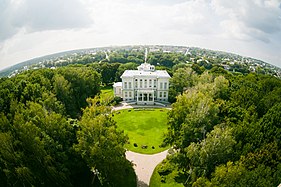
(224, 126)
(47, 140)
(225, 129)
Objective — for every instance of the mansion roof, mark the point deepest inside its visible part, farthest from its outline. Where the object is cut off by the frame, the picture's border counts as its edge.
(141, 73)
(146, 70)
(116, 84)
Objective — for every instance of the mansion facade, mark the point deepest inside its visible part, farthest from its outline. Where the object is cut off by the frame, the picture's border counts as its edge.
(144, 86)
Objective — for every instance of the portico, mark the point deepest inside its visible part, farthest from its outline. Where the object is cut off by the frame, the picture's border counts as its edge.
(145, 96)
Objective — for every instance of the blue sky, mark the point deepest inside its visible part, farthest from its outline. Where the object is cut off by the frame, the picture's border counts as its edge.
(32, 28)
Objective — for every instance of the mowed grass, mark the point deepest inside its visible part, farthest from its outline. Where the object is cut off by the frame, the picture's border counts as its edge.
(106, 91)
(145, 127)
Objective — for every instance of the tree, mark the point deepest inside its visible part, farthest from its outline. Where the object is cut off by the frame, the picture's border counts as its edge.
(63, 91)
(37, 149)
(194, 131)
(84, 82)
(270, 125)
(196, 111)
(122, 68)
(198, 69)
(182, 79)
(101, 145)
(216, 149)
(108, 72)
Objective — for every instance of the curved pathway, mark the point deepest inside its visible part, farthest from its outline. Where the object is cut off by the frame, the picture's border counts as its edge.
(144, 165)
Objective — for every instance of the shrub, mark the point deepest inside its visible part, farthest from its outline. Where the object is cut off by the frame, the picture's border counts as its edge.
(117, 100)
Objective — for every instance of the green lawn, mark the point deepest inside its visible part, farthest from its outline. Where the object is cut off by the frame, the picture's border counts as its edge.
(106, 91)
(107, 94)
(145, 127)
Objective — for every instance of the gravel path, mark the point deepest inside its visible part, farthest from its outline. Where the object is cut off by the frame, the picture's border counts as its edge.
(124, 105)
(145, 164)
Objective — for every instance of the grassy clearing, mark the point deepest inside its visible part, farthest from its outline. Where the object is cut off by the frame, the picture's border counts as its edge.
(107, 94)
(145, 127)
(106, 91)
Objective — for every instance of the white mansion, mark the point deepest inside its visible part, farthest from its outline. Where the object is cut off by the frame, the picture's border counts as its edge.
(144, 86)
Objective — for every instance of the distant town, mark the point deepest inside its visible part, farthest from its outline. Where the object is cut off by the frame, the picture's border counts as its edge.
(169, 56)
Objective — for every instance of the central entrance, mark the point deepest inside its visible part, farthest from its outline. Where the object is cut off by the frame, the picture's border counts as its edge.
(145, 97)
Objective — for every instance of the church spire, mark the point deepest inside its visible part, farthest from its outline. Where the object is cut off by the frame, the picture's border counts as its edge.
(145, 55)
(146, 66)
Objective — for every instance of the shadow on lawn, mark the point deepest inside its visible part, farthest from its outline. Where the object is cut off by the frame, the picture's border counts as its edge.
(141, 184)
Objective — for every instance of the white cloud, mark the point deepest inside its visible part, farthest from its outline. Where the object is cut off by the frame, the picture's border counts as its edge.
(35, 15)
(251, 19)
(34, 28)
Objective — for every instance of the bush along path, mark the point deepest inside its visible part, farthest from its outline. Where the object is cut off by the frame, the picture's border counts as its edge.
(144, 165)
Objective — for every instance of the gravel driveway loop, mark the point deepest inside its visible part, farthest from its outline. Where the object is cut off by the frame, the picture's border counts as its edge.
(145, 164)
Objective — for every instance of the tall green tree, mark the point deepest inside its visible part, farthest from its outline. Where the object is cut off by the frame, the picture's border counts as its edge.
(123, 67)
(81, 82)
(215, 149)
(182, 79)
(37, 149)
(101, 145)
(196, 111)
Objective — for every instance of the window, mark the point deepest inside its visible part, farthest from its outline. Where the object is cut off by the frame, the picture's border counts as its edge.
(155, 85)
(145, 83)
(140, 83)
(160, 94)
(150, 83)
(130, 94)
(161, 85)
(126, 94)
(140, 97)
(130, 85)
(125, 85)
(164, 93)
(165, 85)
